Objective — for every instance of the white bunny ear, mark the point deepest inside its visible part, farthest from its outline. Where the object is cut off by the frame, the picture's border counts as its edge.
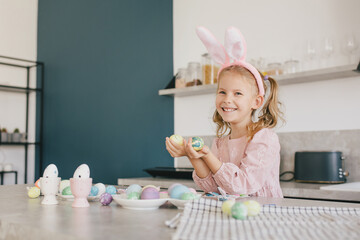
(215, 49)
(235, 44)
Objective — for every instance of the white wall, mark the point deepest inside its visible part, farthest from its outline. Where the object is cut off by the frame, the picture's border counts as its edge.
(18, 38)
(275, 30)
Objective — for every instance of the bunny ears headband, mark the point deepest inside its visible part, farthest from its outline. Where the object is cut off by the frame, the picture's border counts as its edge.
(232, 53)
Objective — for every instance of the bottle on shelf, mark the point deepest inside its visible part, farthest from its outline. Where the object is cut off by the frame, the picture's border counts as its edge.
(209, 69)
(193, 74)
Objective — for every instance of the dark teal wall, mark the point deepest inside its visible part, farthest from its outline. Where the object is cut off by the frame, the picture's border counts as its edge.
(105, 61)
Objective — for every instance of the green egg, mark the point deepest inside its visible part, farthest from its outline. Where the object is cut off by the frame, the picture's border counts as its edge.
(239, 211)
(67, 191)
(133, 195)
(188, 196)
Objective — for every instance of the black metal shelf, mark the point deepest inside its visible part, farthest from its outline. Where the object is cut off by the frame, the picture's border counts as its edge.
(5, 172)
(19, 143)
(27, 65)
(9, 88)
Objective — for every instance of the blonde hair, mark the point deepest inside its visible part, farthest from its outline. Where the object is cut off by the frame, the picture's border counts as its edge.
(270, 113)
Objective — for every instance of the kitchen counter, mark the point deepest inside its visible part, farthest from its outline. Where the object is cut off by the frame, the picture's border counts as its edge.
(290, 189)
(25, 218)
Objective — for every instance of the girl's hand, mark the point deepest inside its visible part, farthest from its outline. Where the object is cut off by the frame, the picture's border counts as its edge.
(192, 154)
(175, 149)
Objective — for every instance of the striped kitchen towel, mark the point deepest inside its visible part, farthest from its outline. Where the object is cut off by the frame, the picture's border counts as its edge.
(203, 219)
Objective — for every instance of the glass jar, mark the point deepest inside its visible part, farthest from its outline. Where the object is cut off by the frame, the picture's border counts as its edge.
(274, 69)
(180, 79)
(193, 74)
(209, 69)
(291, 66)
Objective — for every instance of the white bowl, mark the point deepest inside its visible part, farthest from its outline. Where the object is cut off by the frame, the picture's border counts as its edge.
(141, 204)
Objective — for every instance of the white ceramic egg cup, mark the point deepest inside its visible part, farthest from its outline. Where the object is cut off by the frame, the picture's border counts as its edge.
(80, 188)
(49, 188)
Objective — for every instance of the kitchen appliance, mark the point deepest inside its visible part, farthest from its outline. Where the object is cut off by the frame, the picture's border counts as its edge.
(320, 167)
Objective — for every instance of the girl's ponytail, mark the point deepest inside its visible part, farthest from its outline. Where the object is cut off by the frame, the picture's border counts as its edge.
(270, 113)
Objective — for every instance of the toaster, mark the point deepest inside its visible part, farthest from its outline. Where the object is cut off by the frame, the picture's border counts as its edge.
(320, 167)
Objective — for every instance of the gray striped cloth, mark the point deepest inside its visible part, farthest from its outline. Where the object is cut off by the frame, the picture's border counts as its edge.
(203, 219)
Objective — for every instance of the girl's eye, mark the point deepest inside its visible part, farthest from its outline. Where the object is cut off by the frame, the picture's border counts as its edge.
(221, 92)
(238, 93)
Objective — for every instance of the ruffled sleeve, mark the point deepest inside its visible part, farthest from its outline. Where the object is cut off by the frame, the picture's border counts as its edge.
(255, 168)
(208, 183)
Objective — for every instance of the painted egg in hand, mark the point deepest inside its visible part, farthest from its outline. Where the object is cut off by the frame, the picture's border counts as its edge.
(197, 143)
(178, 139)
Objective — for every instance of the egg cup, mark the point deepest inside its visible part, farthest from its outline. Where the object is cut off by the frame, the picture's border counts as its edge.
(80, 188)
(49, 188)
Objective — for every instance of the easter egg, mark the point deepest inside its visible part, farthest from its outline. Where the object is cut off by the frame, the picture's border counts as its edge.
(51, 171)
(37, 183)
(226, 207)
(94, 191)
(164, 194)
(34, 192)
(153, 186)
(197, 143)
(178, 190)
(101, 187)
(83, 171)
(253, 207)
(111, 190)
(178, 139)
(133, 188)
(120, 191)
(66, 191)
(172, 186)
(133, 196)
(192, 190)
(150, 193)
(106, 199)
(63, 184)
(188, 196)
(239, 211)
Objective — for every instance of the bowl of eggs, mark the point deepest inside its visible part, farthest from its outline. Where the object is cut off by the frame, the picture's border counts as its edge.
(181, 194)
(136, 197)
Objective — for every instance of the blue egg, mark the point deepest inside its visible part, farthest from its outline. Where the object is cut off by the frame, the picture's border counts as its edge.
(179, 190)
(133, 188)
(94, 191)
(111, 190)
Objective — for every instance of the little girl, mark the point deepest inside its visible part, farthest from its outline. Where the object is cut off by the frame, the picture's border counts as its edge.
(245, 158)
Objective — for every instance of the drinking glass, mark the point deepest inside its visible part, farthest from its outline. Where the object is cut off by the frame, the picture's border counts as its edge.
(350, 46)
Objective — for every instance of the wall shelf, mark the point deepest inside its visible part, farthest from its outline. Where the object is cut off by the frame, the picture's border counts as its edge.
(295, 78)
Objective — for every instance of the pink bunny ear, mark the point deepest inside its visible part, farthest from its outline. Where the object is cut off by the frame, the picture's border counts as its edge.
(235, 44)
(215, 49)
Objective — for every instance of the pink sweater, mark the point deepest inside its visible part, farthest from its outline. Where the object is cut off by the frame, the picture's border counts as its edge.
(248, 168)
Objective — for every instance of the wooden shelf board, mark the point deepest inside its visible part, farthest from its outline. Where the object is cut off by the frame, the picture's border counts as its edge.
(295, 78)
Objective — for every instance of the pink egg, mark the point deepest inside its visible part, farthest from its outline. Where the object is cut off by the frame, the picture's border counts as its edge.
(150, 193)
(192, 190)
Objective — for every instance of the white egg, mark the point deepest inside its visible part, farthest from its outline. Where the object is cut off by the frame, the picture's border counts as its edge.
(51, 171)
(82, 171)
(101, 188)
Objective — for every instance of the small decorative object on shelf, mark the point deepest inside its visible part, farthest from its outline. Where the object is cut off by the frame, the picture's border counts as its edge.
(4, 135)
(16, 135)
